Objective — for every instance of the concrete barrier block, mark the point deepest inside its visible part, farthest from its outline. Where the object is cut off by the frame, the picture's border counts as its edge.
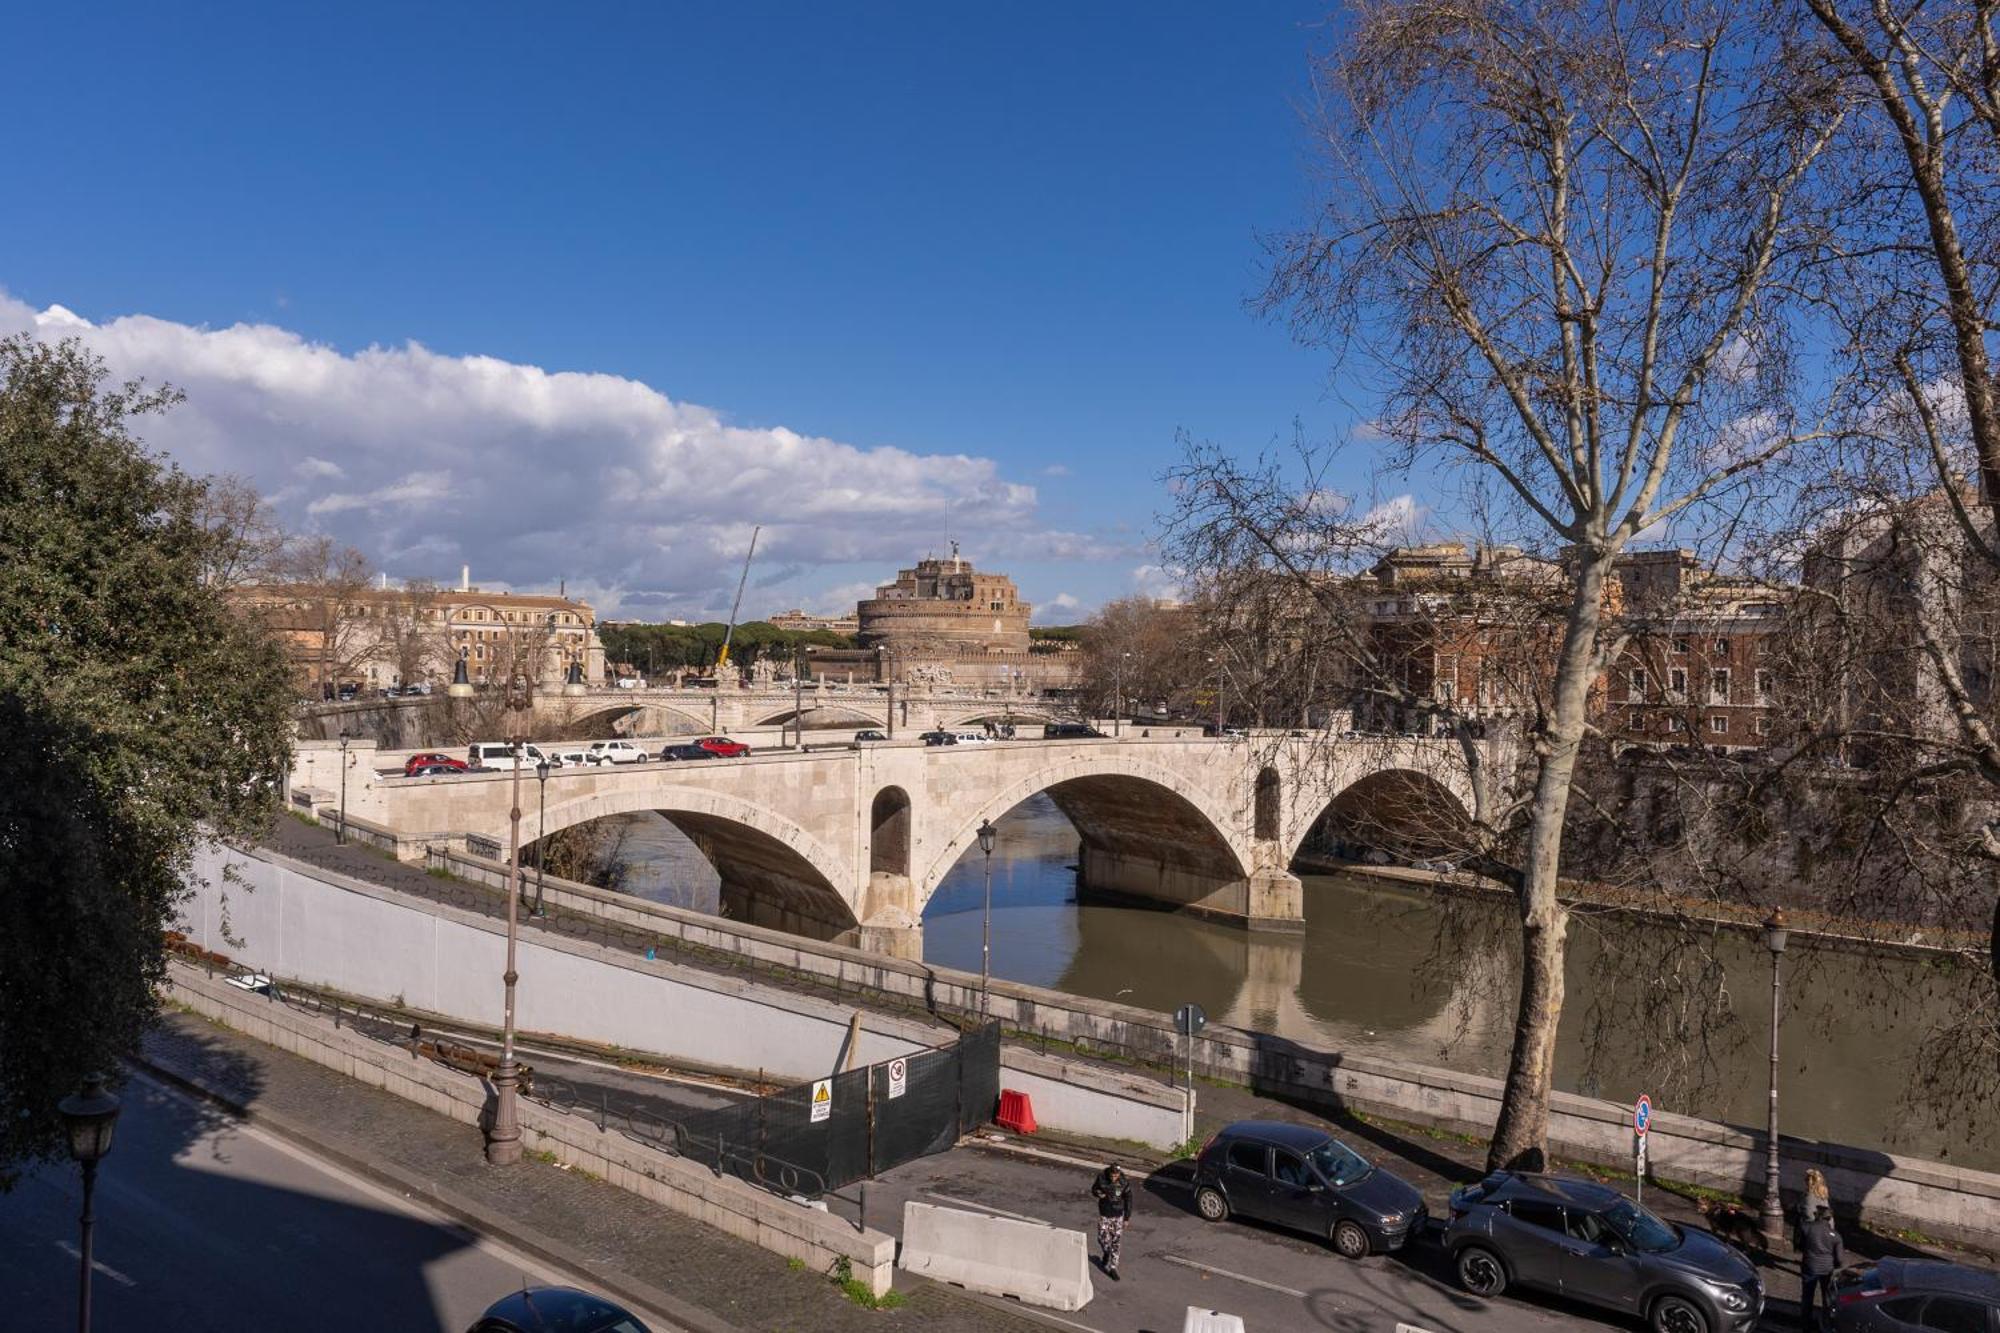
(1000, 1256)
(1199, 1320)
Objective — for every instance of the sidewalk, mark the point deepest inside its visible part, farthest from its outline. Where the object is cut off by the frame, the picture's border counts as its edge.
(702, 1280)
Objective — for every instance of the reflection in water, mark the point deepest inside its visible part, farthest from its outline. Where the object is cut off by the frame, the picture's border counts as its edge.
(1397, 970)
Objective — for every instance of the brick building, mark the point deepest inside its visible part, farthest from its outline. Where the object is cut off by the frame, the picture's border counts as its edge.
(1698, 666)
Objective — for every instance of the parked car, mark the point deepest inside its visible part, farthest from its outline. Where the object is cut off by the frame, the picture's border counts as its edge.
(555, 1310)
(1893, 1295)
(862, 738)
(1070, 731)
(722, 747)
(1305, 1179)
(431, 759)
(970, 738)
(630, 683)
(500, 754)
(435, 771)
(1590, 1243)
(573, 757)
(615, 752)
(674, 753)
(938, 738)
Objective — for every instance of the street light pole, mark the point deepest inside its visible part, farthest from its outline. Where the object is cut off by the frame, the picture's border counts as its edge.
(88, 1119)
(541, 835)
(1774, 1209)
(503, 1143)
(986, 838)
(798, 702)
(1118, 694)
(340, 834)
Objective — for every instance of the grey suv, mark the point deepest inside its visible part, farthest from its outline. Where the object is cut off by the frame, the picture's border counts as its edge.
(1904, 1295)
(1307, 1180)
(1592, 1244)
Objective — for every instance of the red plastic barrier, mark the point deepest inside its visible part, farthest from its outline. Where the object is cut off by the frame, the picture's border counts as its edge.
(1016, 1112)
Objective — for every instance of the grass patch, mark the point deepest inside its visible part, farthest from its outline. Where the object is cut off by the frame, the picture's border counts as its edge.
(857, 1291)
(796, 1264)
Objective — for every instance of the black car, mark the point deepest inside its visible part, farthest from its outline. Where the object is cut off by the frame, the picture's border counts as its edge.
(1307, 1180)
(673, 752)
(938, 738)
(1592, 1244)
(556, 1310)
(435, 771)
(1893, 1295)
(1071, 731)
(862, 738)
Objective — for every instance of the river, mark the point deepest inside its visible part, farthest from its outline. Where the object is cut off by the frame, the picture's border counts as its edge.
(1415, 972)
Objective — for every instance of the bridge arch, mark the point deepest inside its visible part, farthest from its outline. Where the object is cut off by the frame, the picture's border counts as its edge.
(774, 873)
(1408, 814)
(825, 715)
(999, 715)
(889, 832)
(1133, 815)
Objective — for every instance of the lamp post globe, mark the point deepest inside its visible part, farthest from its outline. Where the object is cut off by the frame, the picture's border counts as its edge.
(88, 1117)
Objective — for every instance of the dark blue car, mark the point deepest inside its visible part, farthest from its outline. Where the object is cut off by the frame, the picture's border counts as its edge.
(1305, 1179)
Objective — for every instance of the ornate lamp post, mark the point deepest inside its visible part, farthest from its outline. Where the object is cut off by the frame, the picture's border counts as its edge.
(461, 681)
(1774, 1208)
(987, 834)
(503, 1141)
(340, 834)
(88, 1118)
(1118, 694)
(541, 835)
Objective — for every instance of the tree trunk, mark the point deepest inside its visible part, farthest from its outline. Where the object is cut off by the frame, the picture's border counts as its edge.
(1520, 1137)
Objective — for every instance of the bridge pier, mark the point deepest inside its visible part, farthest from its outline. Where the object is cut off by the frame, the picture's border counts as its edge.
(1267, 899)
(889, 921)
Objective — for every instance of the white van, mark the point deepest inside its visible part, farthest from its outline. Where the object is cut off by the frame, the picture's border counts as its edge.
(970, 738)
(499, 754)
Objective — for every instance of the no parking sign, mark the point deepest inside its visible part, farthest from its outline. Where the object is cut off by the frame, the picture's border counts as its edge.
(899, 1077)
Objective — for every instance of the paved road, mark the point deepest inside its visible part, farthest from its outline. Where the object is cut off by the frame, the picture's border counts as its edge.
(204, 1223)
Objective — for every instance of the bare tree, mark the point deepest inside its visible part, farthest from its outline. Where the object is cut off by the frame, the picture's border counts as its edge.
(327, 585)
(412, 632)
(246, 537)
(1561, 236)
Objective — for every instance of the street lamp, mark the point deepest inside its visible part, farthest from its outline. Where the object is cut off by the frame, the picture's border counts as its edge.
(1774, 1209)
(541, 835)
(503, 1141)
(1118, 693)
(461, 681)
(987, 835)
(340, 834)
(1217, 660)
(88, 1118)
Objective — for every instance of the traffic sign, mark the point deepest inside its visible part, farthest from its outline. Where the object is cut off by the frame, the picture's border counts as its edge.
(1642, 1114)
(1189, 1019)
(899, 1076)
(822, 1099)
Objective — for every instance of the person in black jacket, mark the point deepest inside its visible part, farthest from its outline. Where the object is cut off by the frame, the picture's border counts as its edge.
(1819, 1258)
(1114, 1210)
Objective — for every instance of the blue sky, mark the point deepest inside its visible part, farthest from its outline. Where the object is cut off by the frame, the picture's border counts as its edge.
(1019, 234)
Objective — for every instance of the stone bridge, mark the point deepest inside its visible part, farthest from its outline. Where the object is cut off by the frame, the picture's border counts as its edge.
(436, 719)
(849, 844)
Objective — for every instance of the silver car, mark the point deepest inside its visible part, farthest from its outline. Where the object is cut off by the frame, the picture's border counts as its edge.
(1909, 1295)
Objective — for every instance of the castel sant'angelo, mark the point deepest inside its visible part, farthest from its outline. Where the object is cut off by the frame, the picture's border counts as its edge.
(946, 623)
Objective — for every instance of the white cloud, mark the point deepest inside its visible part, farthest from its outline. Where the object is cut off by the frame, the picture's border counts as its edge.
(1062, 601)
(1397, 521)
(1157, 582)
(1056, 470)
(426, 461)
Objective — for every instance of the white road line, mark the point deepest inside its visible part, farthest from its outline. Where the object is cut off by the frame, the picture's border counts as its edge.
(1240, 1277)
(987, 1207)
(96, 1265)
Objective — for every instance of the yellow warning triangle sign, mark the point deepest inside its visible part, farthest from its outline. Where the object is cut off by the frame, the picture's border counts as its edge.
(822, 1092)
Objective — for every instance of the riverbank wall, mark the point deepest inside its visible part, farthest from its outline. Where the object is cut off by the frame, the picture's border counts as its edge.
(1884, 1190)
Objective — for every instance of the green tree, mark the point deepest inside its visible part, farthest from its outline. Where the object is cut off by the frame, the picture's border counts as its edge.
(138, 714)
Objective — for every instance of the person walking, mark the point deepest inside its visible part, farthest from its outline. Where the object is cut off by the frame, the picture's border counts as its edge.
(1820, 1257)
(1114, 1210)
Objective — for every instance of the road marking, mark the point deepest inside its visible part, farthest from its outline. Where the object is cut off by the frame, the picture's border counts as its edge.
(1240, 1277)
(987, 1207)
(96, 1265)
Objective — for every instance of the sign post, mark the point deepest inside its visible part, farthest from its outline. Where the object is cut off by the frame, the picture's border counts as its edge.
(822, 1099)
(899, 1077)
(1642, 1117)
(1188, 1021)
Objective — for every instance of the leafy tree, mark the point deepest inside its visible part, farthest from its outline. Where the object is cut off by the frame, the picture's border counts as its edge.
(136, 712)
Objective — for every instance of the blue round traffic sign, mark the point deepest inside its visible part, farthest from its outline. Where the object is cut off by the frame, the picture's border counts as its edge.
(1642, 1114)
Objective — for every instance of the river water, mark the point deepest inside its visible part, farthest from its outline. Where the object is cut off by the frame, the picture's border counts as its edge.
(1418, 973)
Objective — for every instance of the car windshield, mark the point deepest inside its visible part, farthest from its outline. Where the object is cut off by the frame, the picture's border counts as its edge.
(1338, 1164)
(1640, 1229)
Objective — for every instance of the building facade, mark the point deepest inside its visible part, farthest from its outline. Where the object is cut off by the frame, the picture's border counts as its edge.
(799, 622)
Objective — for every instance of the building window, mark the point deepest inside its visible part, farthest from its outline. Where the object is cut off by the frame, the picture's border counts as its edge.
(1764, 690)
(1718, 686)
(1719, 725)
(1722, 647)
(1676, 724)
(1677, 683)
(1763, 726)
(1680, 644)
(1638, 684)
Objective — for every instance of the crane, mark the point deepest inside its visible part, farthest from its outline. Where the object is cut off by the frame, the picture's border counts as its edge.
(722, 658)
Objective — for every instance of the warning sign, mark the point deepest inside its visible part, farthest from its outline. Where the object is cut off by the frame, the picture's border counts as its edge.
(899, 1076)
(822, 1102)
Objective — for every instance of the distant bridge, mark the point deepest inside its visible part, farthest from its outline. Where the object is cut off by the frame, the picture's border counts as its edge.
(849, 844)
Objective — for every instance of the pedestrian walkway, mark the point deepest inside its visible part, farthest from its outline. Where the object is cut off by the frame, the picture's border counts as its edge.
(704, 1280)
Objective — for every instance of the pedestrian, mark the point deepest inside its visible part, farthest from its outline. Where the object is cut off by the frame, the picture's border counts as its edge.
(1816, 1193)
(1114, 1210)
(1820, 1257)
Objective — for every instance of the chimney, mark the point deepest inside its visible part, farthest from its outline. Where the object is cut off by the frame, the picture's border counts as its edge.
(465, 578)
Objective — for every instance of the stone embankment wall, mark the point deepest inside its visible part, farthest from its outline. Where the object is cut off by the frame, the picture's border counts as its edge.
(816, 1238)
(1883, 1189)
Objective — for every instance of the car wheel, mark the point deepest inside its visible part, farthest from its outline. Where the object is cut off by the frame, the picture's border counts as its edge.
(1481, 1272)
(1350, 1240)
(1210, 1204)
(1677, 1314)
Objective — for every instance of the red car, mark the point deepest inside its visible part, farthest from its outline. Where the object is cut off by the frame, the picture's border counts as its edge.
(432, 761)
(722, 747)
